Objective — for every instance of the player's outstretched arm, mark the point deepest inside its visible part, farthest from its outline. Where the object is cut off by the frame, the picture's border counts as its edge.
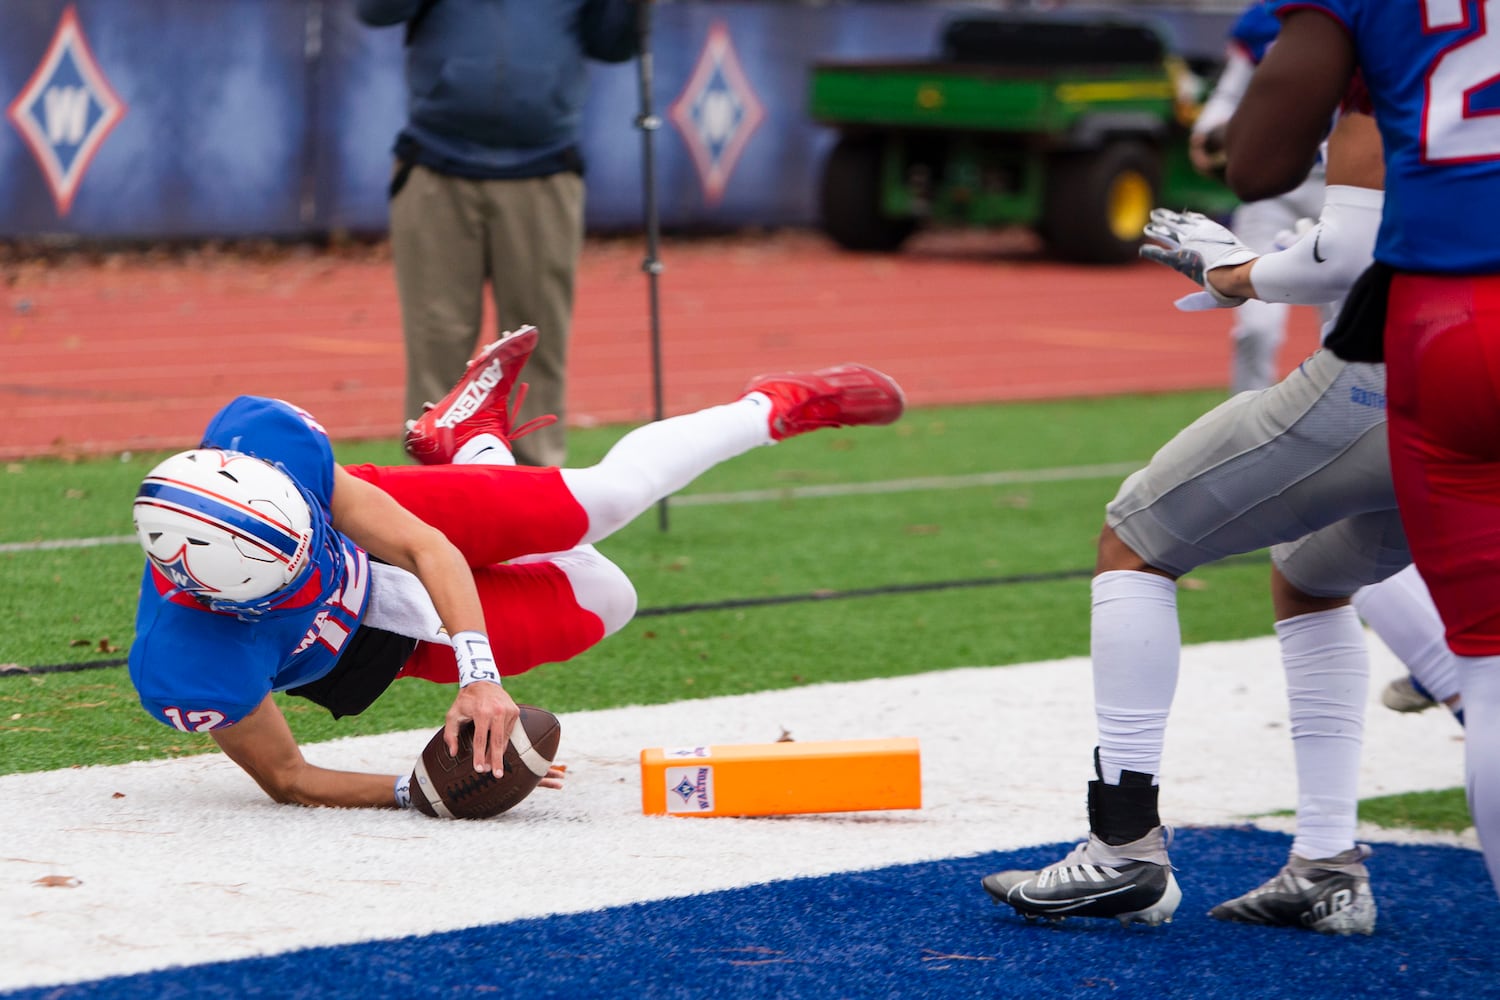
(262, 744)
(1196, 247)
(388, 531)
(1206, 141)
(1318, 265)
(1274, 135)
(1315, 265)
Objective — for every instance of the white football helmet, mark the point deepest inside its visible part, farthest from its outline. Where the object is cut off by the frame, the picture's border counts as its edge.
(222, 525)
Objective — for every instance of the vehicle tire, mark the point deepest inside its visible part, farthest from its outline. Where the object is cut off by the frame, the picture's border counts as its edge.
(850, 198)
(1097, 203)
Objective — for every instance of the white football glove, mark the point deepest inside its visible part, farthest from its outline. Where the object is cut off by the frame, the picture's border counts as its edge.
(1192, 245)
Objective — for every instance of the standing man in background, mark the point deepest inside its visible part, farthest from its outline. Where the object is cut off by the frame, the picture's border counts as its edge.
(1259, 328)
(488, 183)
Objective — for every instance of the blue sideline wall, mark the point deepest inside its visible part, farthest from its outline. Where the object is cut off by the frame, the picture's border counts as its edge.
(163, 119)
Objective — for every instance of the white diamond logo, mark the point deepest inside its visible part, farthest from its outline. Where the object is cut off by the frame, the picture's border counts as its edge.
(717, 112)
(65, 110)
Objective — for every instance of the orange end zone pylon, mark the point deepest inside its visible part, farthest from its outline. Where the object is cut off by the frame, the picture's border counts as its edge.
(772, 779)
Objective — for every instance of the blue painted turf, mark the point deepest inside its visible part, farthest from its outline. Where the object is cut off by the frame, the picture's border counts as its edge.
(915, 931)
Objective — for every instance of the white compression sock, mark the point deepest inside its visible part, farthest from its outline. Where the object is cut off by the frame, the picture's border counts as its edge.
(1480, 677)
(1400, 611)
(1136, 647)
(1327, 679)
(658, 459)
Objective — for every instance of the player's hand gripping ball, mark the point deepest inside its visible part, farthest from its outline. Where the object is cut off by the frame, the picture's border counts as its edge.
(448, 786)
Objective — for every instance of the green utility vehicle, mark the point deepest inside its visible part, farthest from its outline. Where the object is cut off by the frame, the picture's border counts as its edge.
(1075, 127)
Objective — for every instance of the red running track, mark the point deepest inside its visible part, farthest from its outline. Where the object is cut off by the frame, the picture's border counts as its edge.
(136, 351)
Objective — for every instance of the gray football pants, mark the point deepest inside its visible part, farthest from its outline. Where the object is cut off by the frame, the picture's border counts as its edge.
(1301, 467)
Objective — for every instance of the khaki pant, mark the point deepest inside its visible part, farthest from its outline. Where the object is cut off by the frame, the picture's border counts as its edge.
(449, 235)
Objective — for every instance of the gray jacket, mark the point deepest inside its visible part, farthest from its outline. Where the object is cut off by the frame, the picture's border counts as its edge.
(495, 88)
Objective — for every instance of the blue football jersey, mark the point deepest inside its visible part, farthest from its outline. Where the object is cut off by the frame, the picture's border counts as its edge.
(198, 667)
(1433, 71)
(1255, 30)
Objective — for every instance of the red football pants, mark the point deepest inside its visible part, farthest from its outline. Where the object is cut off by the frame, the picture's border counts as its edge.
(493, 513)
(1442, 350)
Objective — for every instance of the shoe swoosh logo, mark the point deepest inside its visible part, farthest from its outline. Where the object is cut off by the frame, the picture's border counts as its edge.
(1316, 256)
(1071, 904)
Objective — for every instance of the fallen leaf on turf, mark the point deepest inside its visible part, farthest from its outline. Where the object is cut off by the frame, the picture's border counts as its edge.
(58, 881)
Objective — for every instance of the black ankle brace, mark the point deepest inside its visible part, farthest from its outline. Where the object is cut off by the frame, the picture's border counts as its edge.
(1121, 813)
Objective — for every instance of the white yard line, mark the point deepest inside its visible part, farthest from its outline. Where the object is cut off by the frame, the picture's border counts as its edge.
(185, 861)
(1062, 474)
(49, 545)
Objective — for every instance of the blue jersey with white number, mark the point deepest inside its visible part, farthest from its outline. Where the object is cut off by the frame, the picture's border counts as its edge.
(1433, 71)
(1255, 30)
(197, 668)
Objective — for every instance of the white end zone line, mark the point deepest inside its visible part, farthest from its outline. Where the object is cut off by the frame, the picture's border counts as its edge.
(1063, 474)
(1005, 759)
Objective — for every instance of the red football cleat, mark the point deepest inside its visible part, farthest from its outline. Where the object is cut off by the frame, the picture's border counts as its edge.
(478, 404)
(842, 396)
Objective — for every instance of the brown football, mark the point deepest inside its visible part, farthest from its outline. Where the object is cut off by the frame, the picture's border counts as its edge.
(448, 786)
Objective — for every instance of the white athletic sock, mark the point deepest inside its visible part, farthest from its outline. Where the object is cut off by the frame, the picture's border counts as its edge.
(1327, 680)
(1400, 610)
(1136, 647)
(483, 449)
(1480, 676)
(658, 459)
